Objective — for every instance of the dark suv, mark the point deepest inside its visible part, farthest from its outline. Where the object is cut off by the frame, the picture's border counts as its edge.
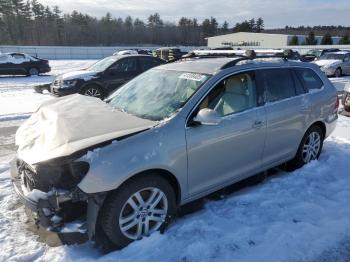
(22, 64)
(103, 77)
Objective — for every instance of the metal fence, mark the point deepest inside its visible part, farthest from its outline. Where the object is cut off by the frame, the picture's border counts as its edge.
(83, 52)
(74, 52)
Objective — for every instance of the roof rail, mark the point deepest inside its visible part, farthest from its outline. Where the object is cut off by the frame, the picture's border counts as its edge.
(251, 55)
(242, 55)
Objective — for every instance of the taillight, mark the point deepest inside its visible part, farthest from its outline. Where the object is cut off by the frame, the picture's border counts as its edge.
(45, 61)
(337, 103)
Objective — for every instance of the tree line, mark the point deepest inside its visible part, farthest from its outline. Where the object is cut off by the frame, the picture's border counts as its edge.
(31, 23)
(28, 22)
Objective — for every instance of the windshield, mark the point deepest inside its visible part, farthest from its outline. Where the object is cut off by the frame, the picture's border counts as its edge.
(157, 93)
(103, 64)
(332, 56)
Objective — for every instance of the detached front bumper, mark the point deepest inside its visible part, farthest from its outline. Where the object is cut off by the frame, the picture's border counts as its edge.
(42, 214)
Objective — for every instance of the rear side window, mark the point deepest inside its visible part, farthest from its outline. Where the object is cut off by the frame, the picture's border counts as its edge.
(148, 62)
(277, 83)
(309, 78)
(125, 65)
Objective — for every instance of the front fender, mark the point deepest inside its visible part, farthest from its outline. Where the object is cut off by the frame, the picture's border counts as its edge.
(162, 147)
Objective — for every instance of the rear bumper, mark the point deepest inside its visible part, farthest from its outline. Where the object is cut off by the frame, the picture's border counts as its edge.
(45, 69)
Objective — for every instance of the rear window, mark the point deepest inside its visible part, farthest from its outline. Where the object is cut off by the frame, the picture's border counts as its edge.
(278, 84)
(309, 78)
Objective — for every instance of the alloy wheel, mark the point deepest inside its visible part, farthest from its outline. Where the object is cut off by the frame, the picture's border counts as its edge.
(143, 213)
(93, 92)
(311, 147)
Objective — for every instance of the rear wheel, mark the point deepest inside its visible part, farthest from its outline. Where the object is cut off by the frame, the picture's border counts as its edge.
(33, 71)
(93, 91)
(137, 209)
(310, 147)
(338, 72)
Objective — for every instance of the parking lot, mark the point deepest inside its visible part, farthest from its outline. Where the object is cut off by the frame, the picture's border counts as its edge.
(271, 220)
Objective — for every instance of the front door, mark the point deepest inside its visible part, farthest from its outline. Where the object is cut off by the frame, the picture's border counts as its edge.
(220, 154)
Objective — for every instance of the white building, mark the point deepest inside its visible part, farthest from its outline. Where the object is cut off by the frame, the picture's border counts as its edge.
(262, 40)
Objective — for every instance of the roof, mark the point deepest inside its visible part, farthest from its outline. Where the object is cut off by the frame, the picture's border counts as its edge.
(213, 65)
(198, 65)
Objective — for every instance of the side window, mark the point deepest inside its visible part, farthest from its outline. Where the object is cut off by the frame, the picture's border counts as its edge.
(3, 58)
(309, 78)
(18, 56)
(277, 83)
(125, 65)
(148, 62)
(235, 94)
(347, 58)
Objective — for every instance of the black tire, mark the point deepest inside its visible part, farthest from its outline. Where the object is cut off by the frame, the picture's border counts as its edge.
(113, 206)
(33, 71)
(347, 108)
(338, 72)
(94, 91)
(298, 161)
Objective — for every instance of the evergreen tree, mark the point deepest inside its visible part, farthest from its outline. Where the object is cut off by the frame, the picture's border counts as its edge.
(294, 40)
(310, 39)
(327, 39)
(344, 40)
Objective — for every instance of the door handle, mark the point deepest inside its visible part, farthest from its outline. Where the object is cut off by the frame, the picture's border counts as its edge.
(258, 124)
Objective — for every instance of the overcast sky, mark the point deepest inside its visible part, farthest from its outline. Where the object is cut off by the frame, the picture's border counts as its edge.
(276, 13)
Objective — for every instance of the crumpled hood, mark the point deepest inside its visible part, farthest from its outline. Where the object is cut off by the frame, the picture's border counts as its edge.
(63, 126)
(327, 63)
(81, 74)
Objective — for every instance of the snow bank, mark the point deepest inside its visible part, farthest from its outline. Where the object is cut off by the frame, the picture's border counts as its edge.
(297, 216)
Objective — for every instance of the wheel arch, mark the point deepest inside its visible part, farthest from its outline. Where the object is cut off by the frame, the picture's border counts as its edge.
(167, 175)
(321, 125)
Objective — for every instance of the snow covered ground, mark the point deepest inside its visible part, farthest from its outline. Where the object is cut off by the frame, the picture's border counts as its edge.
(298, 216)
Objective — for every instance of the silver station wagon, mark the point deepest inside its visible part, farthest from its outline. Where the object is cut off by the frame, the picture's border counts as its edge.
(117, 170)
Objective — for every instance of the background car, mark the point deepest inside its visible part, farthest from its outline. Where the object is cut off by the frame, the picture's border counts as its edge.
(335, 63)
(22, 64)
(103, 77)
(169, 53)
(134, 52)
(317, 53)
(346, 97)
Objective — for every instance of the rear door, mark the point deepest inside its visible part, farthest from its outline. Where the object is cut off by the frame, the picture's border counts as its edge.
(287, 108)
(121, 72)
(17, 63)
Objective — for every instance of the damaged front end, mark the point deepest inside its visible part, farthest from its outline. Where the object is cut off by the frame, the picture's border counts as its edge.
(61, 213)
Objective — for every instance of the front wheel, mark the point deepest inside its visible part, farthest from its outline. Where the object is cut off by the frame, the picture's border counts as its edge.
(93, 91)
(137, 209)
(310, 147)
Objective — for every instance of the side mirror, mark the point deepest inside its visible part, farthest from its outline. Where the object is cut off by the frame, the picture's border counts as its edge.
(208, 117)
